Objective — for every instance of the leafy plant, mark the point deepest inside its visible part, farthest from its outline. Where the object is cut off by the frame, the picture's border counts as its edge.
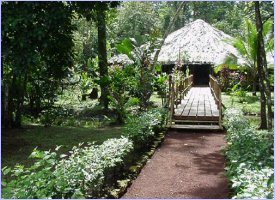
(142, 129)
(122, 80)
(85, 84)
(80, 174)
(247, 48)
(250, 156)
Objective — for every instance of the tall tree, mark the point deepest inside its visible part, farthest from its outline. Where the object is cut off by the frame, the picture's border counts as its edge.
(37, 52)
(167, 31)
(247, 48)
(102, 53)
(135, 20)
(97, 11)
(262, 70)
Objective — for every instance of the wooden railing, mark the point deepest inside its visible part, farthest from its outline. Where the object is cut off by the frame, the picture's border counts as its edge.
(177, 91)
(216, 92)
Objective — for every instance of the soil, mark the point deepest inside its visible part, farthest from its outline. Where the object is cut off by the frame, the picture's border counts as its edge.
(187, 165)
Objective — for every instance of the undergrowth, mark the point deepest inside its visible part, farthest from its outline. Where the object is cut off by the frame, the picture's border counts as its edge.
(250, 158)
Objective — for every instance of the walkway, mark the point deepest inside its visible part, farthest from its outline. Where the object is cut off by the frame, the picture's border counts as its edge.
(188, 165)
(198, 104)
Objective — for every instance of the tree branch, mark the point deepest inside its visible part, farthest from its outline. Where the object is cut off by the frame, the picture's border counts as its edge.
(172, 22)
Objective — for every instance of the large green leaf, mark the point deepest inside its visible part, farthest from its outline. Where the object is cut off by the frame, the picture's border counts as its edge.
(230, 62)
(125, 47)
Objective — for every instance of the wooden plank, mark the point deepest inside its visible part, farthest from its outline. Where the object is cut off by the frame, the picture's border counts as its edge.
(197, 118)
(178, 121)
(196, 127)
(198, 104)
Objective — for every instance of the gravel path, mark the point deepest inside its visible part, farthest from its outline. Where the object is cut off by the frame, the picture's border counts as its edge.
(188, 165)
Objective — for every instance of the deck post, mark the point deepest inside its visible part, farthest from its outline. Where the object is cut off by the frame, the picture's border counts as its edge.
(216, 91)
(172, 102)
(169, 99)
(220, 105)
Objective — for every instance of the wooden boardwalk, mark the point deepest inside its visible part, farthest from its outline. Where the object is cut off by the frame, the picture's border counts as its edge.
(198, 105)
(194, 107)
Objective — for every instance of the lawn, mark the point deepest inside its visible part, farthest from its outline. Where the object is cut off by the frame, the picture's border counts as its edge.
(249, 104)
(17, 144)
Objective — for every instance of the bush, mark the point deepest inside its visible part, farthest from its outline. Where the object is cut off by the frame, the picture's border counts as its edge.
(122, 80)
(81, 174)
(141, 129)
(250, 156)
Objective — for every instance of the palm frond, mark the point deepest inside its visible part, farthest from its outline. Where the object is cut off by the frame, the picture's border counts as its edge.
(251, 37)
(267, 28)
(230, 62)
(239, 44)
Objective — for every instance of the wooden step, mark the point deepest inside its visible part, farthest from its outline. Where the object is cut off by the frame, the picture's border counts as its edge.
(195, 127)
(196, 118)
(194, 122)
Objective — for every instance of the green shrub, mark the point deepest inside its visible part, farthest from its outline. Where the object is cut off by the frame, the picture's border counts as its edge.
(250, 156)
(47, 117)
(122, 80)
(141, 129)
(83, 173)
(253, 184)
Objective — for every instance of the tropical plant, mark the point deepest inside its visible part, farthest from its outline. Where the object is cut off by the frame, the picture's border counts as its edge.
(81, 174)
(37, 54)
(143, 128)
(250, 165)
(142, 57)
(247, 48)
(85, 84)
(121, 82)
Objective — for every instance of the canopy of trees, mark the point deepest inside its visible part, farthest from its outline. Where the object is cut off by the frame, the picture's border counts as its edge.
(46, 44)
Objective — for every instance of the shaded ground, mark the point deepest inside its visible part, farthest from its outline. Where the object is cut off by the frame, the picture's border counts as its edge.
(188, 165)
(17, 144)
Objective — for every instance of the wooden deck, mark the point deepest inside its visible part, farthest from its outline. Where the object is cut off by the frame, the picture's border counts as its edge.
(198, 105)
(194, 107)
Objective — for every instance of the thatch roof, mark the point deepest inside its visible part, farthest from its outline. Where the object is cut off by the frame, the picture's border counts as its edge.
(200, 42)
(120, 59)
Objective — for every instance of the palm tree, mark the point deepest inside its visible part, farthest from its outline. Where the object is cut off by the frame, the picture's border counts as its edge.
(247, 48)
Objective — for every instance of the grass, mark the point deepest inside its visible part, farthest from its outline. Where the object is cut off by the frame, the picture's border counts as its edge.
(156, 99)
(17, 144)
(83, 121)
(249, 104)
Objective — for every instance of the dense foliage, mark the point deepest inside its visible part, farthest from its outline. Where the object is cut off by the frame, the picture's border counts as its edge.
(246, 45)
(35, 69)
(37, 54)
(52, 46)
(122, 83)
(87, 170)
(141, 128)
(250, 158)
(84, 172)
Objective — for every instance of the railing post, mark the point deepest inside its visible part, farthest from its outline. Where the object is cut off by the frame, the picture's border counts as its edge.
(220, 105)
(172, 102)
(169, 99)
(169, 89)
(215, 88)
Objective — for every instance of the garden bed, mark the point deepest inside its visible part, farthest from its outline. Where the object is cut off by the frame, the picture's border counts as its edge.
(250, 166)
(89, 170)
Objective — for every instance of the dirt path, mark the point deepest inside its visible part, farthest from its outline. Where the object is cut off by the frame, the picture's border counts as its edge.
(188, 165)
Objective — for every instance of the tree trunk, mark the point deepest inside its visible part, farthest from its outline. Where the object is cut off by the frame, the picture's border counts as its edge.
(7, 109)
(254, 86)
(22, 83)
(102, 55)
(262, 64)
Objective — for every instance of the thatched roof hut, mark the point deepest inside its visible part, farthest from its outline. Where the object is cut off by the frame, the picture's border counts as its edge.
(200, 42)
(120, 59)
